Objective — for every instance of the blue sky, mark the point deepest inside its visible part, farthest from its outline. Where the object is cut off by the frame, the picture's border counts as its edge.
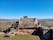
(13, 9)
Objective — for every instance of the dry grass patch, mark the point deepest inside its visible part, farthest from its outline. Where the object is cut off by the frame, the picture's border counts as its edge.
(20, 37)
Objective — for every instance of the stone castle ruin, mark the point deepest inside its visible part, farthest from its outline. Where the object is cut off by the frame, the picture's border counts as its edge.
(26, 22)
(24, 25)
(32, 26)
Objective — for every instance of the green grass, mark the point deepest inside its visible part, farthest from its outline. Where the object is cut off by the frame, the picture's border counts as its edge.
(48, 22)
(20, 37)
(3, 28)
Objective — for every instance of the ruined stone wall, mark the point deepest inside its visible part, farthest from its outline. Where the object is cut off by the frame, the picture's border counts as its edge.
(28, 22)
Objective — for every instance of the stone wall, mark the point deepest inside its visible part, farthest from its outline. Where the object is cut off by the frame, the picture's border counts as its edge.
(28, 22)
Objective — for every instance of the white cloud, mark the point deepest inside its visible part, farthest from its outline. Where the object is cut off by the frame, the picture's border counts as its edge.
(17, 17)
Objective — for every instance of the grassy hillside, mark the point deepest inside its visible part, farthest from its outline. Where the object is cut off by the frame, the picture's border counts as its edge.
(5, 24)
(20, 37)
(48, 22)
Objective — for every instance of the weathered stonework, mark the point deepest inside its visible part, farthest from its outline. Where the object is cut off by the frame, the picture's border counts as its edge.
(28, 22)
